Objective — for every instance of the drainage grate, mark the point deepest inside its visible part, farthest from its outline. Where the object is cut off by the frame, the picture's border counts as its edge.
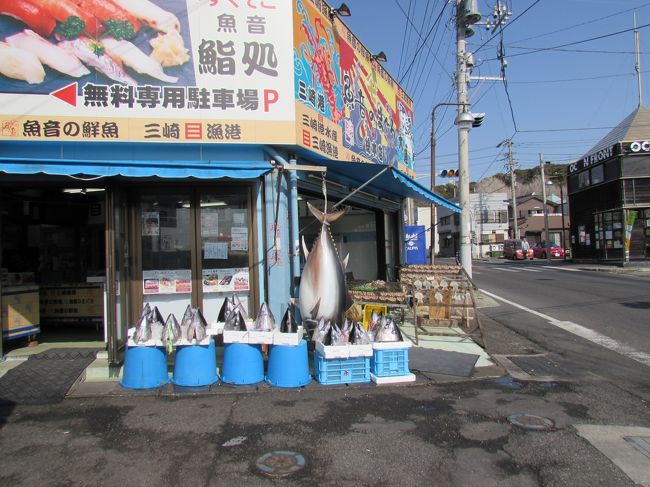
(531, 421)
(280, 463)
(641, 443)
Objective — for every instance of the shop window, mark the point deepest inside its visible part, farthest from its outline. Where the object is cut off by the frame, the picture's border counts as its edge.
(445, 220)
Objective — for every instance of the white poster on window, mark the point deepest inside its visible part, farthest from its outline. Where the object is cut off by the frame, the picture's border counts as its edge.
(239, 217)
(209, 222)
(215, 250)
(241, 280)
(167, 281)
(239, 238)
(150, 223)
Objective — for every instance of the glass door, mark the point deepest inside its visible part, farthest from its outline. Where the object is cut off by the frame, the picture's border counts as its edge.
(224, 248)
(166, 241)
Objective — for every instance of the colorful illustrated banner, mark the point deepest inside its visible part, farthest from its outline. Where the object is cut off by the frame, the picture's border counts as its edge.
(347, 106)
(167, 282)
(147, 70)
(226, 280)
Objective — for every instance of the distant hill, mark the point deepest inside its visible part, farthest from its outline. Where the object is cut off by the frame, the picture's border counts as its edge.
(527, 181)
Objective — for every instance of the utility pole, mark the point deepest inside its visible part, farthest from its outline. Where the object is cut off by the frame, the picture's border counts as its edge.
(465, 15)
(513, 193)
(637, 65)
(548, 243)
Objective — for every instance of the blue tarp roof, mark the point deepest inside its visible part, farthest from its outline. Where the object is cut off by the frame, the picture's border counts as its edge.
(391, 182)
(138, 168)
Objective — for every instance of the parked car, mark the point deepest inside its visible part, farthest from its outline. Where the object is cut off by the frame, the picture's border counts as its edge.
(542, 251)
(517, 249)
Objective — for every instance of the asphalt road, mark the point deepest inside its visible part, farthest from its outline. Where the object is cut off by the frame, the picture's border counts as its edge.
(597, 322)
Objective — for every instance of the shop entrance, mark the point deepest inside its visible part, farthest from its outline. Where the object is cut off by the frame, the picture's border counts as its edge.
(192, 246)
(53, 263)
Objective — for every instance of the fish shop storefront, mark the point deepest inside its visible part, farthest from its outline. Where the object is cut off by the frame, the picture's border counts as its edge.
(176, 170)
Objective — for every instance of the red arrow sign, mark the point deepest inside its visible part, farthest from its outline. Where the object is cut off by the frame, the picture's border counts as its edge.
(68, 94)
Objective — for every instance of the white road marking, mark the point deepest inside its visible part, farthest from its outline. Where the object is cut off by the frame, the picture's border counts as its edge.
(583, 332)
(569, 269)
(528, 269)
(507, 270)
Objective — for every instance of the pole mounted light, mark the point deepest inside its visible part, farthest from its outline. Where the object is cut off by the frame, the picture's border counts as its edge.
(380, 56)
(342, 11)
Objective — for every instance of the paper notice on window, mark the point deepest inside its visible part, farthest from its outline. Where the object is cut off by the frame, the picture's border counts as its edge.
(215, 250)
(241, 279)
(167, 282)
(239, 217)
(150, 223)
(209, 222)
(239, 239)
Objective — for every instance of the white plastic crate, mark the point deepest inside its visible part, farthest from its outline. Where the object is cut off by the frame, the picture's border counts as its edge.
(396, 379)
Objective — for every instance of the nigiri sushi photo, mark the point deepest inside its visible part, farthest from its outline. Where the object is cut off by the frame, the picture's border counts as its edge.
(20, 64)
(51, 55)
(133, 57)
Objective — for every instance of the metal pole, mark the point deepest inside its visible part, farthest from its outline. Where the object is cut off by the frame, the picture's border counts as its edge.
(637, 65)
(464, 125)
(548, 243)
(515, 222)
(433, 172)
(562, 206)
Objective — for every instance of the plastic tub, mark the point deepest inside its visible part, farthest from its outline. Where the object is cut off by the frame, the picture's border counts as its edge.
(195, 365)
(242, 364)
(144, 368)
(288, 365)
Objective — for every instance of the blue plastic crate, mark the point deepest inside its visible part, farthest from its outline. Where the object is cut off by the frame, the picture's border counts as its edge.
(341, 370)
(390, 362)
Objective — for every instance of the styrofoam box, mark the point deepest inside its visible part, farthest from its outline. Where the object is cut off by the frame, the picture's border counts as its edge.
(292, 339)
(391, 345)
(396, 379)
(184, 341)
(148, 343)
(343, 351)
(235, 336)
(260, 337)
(216, 327)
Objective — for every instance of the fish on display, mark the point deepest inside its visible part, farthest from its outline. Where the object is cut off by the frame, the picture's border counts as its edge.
(55, 57)
(323, 288)
(226, 308)
(288, 323)
(359, 335)
(238, 304)
(197, 328)
(322, 333)
(143, 328)
(235, 321)
(337, 337)
(346, 330)
(186, 320)
(172, 329)
(265, 320)
(388, 332)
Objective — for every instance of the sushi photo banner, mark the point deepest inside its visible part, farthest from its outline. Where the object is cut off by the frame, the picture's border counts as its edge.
(204, 71)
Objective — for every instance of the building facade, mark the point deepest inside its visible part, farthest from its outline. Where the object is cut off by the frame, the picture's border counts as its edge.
(189, 183)
(609, 195)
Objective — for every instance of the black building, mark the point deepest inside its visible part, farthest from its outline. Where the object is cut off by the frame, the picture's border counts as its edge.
(609, 195)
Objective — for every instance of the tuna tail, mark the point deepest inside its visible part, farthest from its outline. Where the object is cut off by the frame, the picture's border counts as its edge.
(304, 247)
(324, 217)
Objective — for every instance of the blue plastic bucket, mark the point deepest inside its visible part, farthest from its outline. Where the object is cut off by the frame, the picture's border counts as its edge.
(144, 368)
(288, 365)
(195, 365)
(242, 364)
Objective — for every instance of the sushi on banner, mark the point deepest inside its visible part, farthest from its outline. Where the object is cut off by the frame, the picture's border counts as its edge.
(146, 70)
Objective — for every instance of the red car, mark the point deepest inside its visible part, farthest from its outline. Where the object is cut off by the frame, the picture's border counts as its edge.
(542, 251)
(517, 249)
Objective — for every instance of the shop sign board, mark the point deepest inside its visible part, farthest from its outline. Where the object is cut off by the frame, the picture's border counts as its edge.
(416, 248)
(347, 105)
(223, 73)
(206, 71)
(592, 159)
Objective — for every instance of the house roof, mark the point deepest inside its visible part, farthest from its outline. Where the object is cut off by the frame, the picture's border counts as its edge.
(636, 126)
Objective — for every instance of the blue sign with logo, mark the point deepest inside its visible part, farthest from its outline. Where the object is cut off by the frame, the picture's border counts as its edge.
(415, 244)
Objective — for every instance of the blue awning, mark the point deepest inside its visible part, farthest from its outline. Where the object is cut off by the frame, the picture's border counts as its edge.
(138, 168)
(391, 182)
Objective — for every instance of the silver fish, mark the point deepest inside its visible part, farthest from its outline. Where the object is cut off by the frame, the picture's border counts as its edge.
(388, 332)
(197, 326)
(337, 337)
(322, 332)
(288, 323)
(186, 321)
(237, 302)
(143, 329)
(226, 308)
(172, 329)
(265, 319)
(359, 335)
(235, 321)
(323, 288)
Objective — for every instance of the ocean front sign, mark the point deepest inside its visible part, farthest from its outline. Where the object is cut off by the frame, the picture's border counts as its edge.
(592, 159)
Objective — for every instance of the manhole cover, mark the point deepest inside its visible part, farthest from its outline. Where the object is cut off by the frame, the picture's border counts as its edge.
(531, 421)
(280, 463)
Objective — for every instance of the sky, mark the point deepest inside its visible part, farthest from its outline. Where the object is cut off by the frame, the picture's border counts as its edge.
(555, 101)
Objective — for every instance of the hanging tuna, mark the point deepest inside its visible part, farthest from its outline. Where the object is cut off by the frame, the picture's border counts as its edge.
(323, 289)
